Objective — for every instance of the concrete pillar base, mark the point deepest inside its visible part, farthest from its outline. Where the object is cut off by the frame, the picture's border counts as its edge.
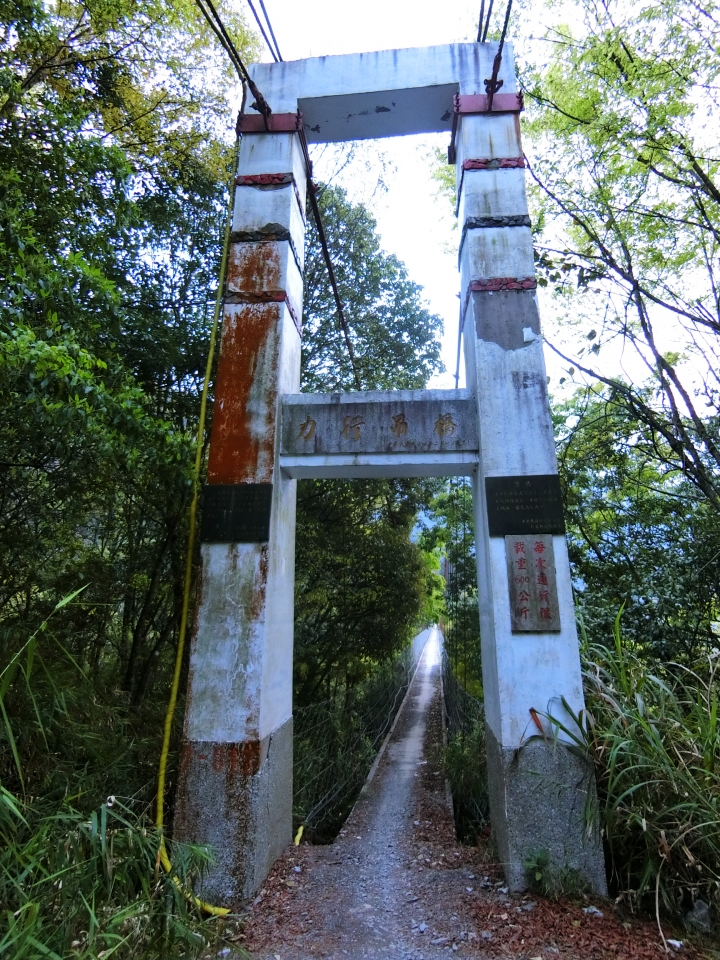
(537, 799)
(237, 799)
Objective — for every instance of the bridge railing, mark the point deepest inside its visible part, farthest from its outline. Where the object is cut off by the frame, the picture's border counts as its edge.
(336, 741)
(465, 755)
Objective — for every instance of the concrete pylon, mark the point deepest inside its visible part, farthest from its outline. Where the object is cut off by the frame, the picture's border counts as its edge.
(235, 788)
(530, 655)
(235, 784)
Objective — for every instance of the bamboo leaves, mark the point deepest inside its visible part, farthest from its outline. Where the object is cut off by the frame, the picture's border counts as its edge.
(654, 746)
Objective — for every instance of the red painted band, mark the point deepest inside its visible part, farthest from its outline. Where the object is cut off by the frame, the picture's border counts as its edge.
(277, 123)
(263, 179)
(478, 103)
(502, 283)
(495, 163)
(492, 285)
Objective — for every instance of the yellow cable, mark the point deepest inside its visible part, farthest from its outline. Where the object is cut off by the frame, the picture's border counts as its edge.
(169, 716)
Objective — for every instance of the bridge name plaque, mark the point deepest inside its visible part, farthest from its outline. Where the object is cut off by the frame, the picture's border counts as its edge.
(532, 584)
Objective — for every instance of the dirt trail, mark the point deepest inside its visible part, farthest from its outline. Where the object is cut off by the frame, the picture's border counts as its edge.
(395, 885)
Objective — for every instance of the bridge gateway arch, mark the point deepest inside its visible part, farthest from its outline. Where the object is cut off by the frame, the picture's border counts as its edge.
(235, 785)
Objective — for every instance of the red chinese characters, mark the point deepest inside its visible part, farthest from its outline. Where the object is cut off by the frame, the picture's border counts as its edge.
(531, 584)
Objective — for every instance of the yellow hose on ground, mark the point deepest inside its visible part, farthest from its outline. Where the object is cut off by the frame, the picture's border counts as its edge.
(169, 716)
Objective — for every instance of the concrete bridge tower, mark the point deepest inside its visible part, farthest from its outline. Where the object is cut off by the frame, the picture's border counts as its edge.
(235, 788)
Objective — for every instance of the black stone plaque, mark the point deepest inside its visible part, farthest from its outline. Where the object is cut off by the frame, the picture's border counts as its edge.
(530, 504)
(236, 513)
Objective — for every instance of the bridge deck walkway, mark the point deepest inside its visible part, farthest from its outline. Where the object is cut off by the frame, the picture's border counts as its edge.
(394, 880)
(396, 885)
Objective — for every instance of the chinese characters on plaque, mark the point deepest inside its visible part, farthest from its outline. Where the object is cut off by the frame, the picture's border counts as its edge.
(532, 583)
(444, 425)
(529, 504)
(399, 425)
(307, 429)
(351, 427)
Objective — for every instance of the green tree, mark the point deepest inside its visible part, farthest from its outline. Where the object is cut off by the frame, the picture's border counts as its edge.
(111, 205)
(639, 538)
(394, 336)
(362, 582)
(622, 123)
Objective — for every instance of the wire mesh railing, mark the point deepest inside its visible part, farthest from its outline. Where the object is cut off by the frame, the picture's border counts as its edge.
(336, 741)
(465, 755)
(462, 711)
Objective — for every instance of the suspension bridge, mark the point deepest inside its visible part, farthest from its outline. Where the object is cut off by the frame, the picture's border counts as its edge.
(235, 786)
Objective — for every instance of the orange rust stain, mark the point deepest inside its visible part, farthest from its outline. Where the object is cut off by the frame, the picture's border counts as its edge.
(255, 268)
(259, 586)
(242, 441)
(218, 756)
(231, 758)
(243, 758)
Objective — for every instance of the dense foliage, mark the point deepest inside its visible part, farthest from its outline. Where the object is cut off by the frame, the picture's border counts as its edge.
(111, 207)
(395, 338)
(623, 145)
(114, 160)
(651, 730)
(639, 537)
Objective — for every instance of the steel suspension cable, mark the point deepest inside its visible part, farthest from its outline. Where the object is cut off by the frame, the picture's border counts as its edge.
(273, 53)
(480, 24)
(460, 333)
(272, 32)
(492, 85)
(487, 22)
(209, 12)
(328, 262)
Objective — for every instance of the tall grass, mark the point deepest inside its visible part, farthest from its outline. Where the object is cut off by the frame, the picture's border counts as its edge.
(72, 885)
(651, 730)
(79, 873)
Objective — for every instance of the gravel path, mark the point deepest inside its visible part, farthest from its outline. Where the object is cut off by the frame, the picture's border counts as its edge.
(395, 884)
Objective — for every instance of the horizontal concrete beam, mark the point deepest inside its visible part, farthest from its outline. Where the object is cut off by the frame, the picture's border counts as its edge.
(383, 93)
(366, 465)
(393, 423)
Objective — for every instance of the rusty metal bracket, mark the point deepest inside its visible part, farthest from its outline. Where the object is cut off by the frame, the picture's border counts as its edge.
(276, 123)
(474, 103)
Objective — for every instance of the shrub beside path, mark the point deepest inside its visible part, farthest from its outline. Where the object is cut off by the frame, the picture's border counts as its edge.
(395, 884)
